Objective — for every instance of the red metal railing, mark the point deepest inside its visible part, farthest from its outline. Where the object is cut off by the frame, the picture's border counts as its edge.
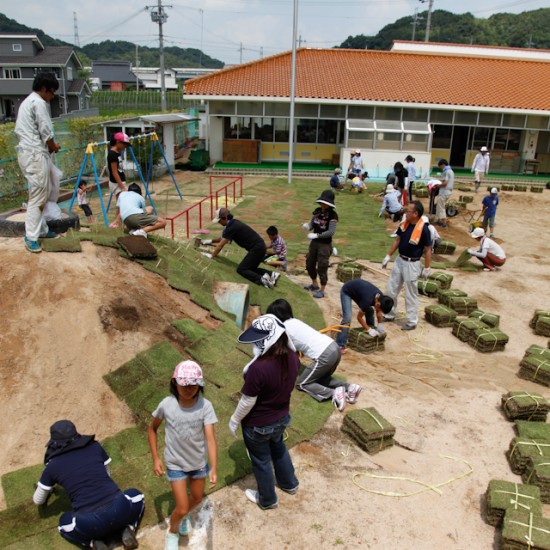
(213, 195)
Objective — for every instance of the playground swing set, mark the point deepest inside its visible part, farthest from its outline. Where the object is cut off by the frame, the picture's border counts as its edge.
(90, 154)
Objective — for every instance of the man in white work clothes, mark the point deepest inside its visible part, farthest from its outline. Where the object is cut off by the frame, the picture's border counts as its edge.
(36, 143)
(480, 166)
(413, 240)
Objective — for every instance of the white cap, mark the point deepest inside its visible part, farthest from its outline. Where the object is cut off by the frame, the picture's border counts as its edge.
(494, 191)
(389, 188)
(484, 149)
(357, 151)
(477, 233)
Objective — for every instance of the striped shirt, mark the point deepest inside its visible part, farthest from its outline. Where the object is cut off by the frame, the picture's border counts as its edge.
(279, 247)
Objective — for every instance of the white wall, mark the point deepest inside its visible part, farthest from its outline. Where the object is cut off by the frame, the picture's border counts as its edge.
(215, 136)
(379, 163)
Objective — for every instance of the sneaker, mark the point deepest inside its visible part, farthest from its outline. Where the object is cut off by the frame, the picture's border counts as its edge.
(318, 294)
(138, 233)
(32, 246)
(394, 235)
(129, 540)
(99, 545)
(487, 269)
(408, 326)
(185, 527)
(113, 224)
(312, 287)
(292, 491)
(387, 317)
(171, 542)
(353, 393)
(51, 235)
(266, 281)
(339, 398)
(253, 496)
(274, 277)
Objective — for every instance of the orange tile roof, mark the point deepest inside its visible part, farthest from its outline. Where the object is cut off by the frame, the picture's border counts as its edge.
(381, 76)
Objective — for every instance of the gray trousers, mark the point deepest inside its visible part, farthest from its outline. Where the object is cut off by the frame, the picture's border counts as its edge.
(405, 274)
(317, 380)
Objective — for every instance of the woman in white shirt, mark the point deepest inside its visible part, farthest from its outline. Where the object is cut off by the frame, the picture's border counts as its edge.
(491, 254)
(316, 379)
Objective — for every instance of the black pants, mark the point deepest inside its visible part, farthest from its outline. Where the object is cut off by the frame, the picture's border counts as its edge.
(249, 269)
(317, 260)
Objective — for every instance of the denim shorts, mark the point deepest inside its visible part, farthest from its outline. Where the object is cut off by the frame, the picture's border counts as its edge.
(179, 475)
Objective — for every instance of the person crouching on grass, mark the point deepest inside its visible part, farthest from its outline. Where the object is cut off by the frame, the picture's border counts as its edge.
(490, 253)
(189, 440)
(278, 246)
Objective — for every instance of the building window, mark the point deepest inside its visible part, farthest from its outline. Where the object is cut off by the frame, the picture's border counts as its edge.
(442, 137)
(69, 73)
(12, 73)
(17, 47)
(306, 131)
(482, 138)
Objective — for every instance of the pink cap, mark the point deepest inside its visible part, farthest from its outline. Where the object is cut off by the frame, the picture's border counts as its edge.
(188, 373)
(121, 136)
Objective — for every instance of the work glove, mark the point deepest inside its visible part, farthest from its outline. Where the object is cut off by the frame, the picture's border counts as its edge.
(470, 251)
(380, 328)
(373, 332)
(233, 427)
(305, 226)
(380, 213)
(425, 272)
(206, 241)
(334, 251)
(386, 261)
(207, 255)
(312, 236)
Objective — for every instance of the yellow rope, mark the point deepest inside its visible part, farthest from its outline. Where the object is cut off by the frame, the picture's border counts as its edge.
(427, 355)
(426, 486)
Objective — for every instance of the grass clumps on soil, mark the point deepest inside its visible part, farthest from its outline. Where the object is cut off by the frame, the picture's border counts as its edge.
(369, 430)
(525, 530)
(523, 405)
(69, 242)
(439, 315)
(502, 496)
(532, 430)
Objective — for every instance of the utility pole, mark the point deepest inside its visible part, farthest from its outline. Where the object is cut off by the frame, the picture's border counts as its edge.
(429, 18)
(75, 25)
(137, 67)
(292, 92)
(158, 15)
(300, 41)
(415, 21)
(202, 29)
(261, 52)
(241, 52)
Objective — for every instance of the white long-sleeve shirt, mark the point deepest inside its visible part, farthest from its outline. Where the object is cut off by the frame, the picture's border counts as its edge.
(391, 202)
(34, 125)
(481, 163)
(488, 246)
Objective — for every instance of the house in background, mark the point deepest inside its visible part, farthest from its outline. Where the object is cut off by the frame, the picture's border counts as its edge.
(24, 55)
(115, 76)
(150, 78)
(431, 101)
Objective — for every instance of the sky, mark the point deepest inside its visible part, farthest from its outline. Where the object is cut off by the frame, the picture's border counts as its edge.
(236, 30)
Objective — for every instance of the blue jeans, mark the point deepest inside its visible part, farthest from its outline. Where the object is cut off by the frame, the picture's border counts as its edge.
(489, 220)
(81, 528)
(265, 446)
(345, 299)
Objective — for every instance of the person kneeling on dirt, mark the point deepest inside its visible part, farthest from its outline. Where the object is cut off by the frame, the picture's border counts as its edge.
(372, 303)
(137, 217)
(491, 254)
(391, 204)
(99, 508)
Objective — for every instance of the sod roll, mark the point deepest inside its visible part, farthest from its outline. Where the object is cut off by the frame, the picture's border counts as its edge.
(445, 247)
(524, 405)
(537, 473)
(348, 272)
(439, 315)
(532, 430)
(463, 328)
(463, 305)
(488, 340)
(444, 279)
(502, 496)
(538, 313)
(428, 287)
(525, 530)
(542, 327)
(535, 368)
(490, 319)
(369, 430)
(360, 340)
(445, 296)
(522, 450)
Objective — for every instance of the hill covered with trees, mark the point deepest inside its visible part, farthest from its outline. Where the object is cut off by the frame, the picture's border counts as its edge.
(120, 50)
(529, 29)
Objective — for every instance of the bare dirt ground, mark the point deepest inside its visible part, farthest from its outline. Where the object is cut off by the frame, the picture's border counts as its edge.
(82, 315)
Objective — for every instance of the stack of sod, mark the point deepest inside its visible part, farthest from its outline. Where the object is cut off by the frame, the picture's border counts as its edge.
(490, 319)
(525, 530)
(445, 296)
(533, 430)
(445, 247)
(535, 368)
(502, 496)
(428, 287)
(522, 405)
(348, 271)
(537, 473)
(507, 187)
(523, 450)
(487, 340)
(463, 305)
(369, 429)
(535, 189)
(542, 328)
(538, 313)
(535, 349)
(440, 316)
(466, 198)
(359, 340)
(421, 192)
(520, 187)
(464, 329)
(444, 279)
(137, 247)
(463, 259)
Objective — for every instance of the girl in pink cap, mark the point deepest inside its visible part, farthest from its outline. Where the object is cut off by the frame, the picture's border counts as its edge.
(190, 444)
